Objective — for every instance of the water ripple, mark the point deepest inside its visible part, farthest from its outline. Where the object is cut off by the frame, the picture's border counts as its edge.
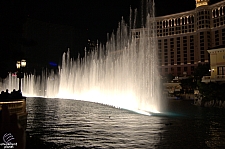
(60, 123)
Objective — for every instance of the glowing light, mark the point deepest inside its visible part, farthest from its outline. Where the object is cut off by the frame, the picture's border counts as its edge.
(122, 74)
(142, 112)
(201, 3)
(23, 63)
(53, 64)
(18, 64)
(10, 102)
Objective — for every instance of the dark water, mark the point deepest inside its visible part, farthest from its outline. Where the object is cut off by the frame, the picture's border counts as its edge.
(66, 124)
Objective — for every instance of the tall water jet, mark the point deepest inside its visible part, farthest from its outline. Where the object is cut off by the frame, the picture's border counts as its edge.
(123, 73)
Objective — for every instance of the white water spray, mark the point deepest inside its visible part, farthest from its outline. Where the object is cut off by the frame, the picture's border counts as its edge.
(123, 74)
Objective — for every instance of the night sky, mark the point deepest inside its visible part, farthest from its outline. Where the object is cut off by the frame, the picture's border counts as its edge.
(93, 19)
(98, 17)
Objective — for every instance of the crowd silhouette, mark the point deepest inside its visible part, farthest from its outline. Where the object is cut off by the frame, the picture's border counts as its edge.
(6, 96)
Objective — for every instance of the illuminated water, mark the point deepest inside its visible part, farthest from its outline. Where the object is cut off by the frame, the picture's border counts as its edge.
(70, 124)
(123, 74)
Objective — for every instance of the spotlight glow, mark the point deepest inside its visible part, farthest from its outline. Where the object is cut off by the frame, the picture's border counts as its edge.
(123, 73)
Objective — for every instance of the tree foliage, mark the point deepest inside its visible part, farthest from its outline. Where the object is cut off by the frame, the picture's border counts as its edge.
(188, 85)
(212, 91)
(201, 70)
(169, 77)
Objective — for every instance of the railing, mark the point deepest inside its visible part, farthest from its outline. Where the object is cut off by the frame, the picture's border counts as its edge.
(14, 106)
(213, 79)
(220, 76)
(206, 78)
(17, 107)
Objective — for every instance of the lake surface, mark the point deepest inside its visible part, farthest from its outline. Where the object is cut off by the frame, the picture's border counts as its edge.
(69, 124)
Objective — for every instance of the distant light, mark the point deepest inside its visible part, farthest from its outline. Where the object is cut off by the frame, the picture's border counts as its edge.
(18, 65)
(23, 63)
(14, 74)
(53, 64)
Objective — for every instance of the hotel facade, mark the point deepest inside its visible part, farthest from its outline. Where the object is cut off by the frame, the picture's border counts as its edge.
(184, 38)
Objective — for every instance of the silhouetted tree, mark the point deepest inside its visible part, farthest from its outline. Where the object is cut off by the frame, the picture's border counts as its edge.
(168, 78)
(188, 85)
(212, 91)
(200, 71)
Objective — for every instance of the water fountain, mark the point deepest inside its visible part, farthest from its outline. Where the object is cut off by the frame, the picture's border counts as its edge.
(123, 73)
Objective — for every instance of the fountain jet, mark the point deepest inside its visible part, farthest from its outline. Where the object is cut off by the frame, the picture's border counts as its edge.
(123, 73)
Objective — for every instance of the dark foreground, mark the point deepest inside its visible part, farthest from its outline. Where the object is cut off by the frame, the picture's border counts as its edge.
(62, 124)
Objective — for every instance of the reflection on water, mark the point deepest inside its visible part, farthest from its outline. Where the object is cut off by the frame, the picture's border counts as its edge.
(70, 123)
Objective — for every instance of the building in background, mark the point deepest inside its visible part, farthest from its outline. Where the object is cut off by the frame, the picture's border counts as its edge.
(217, 65)
(184, 38)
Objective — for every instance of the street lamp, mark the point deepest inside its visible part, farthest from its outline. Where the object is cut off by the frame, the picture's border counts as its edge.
(20, 74)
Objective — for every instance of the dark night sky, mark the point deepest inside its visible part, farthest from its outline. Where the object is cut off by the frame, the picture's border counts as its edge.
(98, 17)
